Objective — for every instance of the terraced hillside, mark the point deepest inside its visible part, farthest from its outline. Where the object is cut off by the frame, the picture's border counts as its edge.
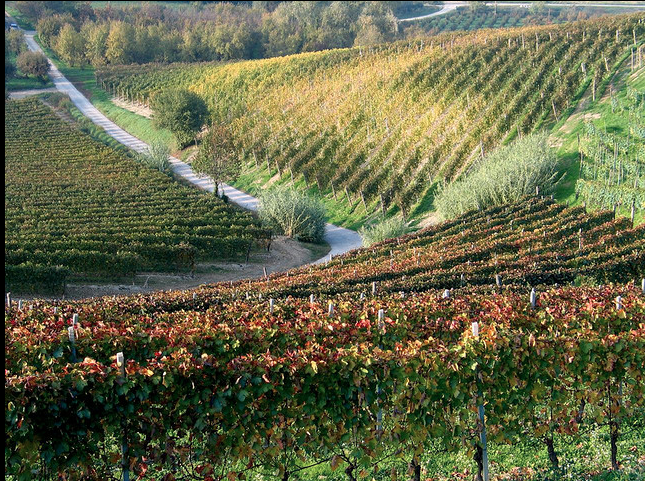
(379, 125)
(258, 378)
(75, 205)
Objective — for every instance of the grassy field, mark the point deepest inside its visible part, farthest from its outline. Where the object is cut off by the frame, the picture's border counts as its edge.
(565, 134)
(26, 83)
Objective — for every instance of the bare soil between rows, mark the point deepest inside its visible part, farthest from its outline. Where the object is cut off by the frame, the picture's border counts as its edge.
(285, 254)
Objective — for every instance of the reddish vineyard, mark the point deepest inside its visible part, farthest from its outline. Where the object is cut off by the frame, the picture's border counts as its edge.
(234, 379)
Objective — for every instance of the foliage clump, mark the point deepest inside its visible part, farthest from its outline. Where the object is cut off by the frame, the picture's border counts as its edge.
(218, 156)
(506, 175)
(293, 214)
(33, 63)
(156, 157)
(385, 229)
(181, 111)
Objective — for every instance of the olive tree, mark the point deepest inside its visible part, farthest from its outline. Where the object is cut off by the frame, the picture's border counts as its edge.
(293, 213)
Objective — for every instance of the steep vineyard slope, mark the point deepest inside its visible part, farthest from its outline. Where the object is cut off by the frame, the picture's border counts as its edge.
(380, 124)
(75, 203)
(251, 376)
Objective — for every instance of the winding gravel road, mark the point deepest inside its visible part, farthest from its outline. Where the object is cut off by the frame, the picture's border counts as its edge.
(340, 239)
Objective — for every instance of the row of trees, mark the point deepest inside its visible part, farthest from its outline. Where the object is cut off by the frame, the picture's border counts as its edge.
(19, 61)
(217, 31)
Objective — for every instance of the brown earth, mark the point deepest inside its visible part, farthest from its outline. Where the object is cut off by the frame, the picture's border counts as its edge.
(285, 254)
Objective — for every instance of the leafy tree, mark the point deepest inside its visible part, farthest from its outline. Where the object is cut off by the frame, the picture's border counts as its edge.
(338, 27)
(376, 24)
(9, 69)
(218, 156)
(96, 36)
(33, 63)
(71, 45)
(49, 27)
(14, 42)
(120, 44)
(180, 111)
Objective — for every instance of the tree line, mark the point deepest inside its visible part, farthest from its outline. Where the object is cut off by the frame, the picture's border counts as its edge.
(207, 31)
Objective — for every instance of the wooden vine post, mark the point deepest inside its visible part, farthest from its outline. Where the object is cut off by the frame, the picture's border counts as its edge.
(481, 456)
(379, 415)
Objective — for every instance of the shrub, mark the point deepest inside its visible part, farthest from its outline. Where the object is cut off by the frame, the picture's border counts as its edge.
(506, 175)
(33, 63)
(293, 214)
(385, 229)
(156, 157)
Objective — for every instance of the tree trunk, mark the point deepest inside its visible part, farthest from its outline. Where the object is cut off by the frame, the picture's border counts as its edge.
(553, 456)
(349, 471)
(417, 469)
(613, 428)
(479, 460)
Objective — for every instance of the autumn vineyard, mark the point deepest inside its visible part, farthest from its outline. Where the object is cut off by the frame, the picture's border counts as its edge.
(505, 343)
(75, 207)
(380, 124)
(367, 357)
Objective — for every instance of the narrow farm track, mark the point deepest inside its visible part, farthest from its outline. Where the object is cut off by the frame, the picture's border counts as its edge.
(341, 240)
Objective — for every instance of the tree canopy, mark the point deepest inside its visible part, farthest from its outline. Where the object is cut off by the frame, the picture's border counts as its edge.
(33, 63)
(218, 156)
(180, 111)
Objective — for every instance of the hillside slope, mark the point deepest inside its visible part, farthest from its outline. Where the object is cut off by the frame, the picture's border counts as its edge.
(379, 125)
(263, 378)
(73, 202)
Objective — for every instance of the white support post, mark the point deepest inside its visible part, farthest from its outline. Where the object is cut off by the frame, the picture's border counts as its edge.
(120, 362)
(72, 339)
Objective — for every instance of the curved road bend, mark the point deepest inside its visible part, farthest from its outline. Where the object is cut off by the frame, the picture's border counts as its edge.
(340, 239)
(450, 6)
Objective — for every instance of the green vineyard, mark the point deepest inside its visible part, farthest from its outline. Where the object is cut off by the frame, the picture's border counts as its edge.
(73, 205)
(343, 364)
(463, 18)
(379, 125)
(613, 162)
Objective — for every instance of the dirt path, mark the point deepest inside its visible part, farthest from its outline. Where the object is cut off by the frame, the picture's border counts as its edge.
(340, 239)
(21, 94)
(285, 254)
